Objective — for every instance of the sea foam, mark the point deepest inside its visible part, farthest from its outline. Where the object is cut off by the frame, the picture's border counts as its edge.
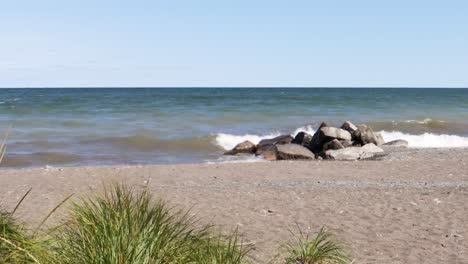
(426, 140)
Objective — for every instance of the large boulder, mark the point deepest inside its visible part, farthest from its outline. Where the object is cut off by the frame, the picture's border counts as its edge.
(365, 135)
(269, 152)
(348, 126)
(353, 153)
(334, 144)
(268, 144)
(397, 143)
(302, 138)
(327, 134)
(293, 151)
(245, 147)
(315, 144)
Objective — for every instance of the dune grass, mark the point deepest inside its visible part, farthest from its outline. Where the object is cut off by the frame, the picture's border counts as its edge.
(127, 226)
(322, 248)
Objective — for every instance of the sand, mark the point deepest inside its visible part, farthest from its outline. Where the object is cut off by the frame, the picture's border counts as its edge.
(410, 206)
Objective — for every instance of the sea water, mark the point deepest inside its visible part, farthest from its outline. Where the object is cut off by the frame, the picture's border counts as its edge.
(96, 126)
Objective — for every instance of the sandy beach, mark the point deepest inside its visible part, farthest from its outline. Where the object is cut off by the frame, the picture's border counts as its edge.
(407, 207)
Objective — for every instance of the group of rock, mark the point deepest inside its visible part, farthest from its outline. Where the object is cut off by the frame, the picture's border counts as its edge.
(349, 142)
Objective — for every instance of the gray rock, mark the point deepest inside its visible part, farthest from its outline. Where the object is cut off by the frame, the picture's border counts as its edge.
(325, 134)
(353, 153)
(269, 152)
(269, 144)
(348, 126)
(241, 148)
(365, 135)
(346, 143)
(334, 144)
(379, 139)
(283, 139)
(293, 151)
(302, 138)
(397, 143)
(333, 132)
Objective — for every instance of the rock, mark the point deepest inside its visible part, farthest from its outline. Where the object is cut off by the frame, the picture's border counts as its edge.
(334, 144)
(346, 143)
(348, 126)
(315, 145)
(353, 153)
(243, 147)
(397, 143)
(283, 139)
(379, 139)
(293, 151)
(365, 135)
(269, 152)
(326, 134)
(302, 138)
(268, 144)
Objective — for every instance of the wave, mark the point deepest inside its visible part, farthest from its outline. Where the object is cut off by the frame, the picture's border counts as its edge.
(427, 140)
(228, 141)
(424, 140)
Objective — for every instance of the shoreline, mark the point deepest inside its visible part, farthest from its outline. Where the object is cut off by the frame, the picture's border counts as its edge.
(407, 207)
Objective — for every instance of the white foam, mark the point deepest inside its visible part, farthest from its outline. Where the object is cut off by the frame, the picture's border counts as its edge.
(228, 141)
(427, 140)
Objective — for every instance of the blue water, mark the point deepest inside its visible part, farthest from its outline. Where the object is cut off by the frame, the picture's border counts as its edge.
(156, 125)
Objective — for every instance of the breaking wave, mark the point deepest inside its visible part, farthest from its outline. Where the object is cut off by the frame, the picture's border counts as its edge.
(427, 140)
(424, 140)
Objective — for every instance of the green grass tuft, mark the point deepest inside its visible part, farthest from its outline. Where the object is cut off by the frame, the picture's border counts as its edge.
(320, 249)
(126, 226)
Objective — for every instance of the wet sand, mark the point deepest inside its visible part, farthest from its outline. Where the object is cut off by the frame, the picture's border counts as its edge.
(410, 206)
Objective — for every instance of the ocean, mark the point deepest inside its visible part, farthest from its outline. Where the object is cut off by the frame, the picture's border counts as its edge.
(103, 126)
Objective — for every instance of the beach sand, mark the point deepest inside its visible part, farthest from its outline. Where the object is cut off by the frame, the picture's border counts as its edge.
(409, 207)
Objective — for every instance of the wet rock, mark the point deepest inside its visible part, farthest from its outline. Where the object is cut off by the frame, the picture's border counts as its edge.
(293, 152)
(353, 153)
(302, 138)
(348, 126)
(245, 147)
(397, 143)
(365, 135)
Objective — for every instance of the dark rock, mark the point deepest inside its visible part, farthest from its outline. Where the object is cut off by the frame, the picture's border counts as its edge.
(269, 144)
(302, 138)
(346, 143)
(326, 134)
(244, 147)
(365, 135)
(348, 126)
(269, 152)
(334, 144)
(397, 143)
(353, 153)
(283, 139)
(293, 151)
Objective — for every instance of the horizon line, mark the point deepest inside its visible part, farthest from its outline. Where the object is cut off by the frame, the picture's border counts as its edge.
(237, 87)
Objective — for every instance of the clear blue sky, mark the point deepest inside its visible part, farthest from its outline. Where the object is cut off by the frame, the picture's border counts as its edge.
(233, 43)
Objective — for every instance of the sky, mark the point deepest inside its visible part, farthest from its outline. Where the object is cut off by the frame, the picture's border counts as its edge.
(173, 43)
